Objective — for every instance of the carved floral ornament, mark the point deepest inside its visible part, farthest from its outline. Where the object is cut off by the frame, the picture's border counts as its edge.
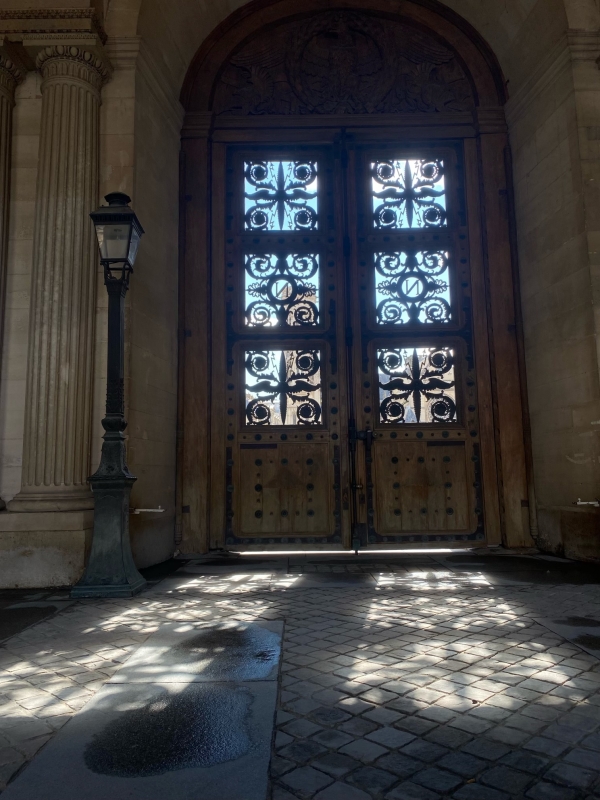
(343, 62)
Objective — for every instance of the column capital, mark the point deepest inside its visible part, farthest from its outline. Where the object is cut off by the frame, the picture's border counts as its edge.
(63, 61)
(10, 78)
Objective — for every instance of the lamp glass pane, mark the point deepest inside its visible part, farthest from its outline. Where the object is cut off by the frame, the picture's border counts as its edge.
(133, 245)
(113, 240)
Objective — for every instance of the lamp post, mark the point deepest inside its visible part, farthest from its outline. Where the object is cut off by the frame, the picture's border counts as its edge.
(110, 571)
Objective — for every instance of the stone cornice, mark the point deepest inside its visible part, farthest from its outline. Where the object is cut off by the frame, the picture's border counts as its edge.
(10, 77)
(584, 45)
(76, 63)
(36, 22)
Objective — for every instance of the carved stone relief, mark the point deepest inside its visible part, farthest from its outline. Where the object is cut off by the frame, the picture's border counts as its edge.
(343, 62)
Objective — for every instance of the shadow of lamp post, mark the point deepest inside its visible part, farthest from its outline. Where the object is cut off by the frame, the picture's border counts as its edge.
(111, 571)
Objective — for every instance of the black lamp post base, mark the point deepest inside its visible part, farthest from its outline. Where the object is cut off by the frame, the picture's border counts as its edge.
(129, 589)
(111, 571)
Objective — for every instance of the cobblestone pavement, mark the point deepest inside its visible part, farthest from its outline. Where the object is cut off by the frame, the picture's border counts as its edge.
(428, 681)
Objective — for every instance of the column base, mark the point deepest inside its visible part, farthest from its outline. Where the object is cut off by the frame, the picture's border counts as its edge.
(30, 502)
(43, 549)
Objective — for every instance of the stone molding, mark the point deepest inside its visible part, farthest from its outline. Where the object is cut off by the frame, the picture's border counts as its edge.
(490, 119)
(33, 22)
(584, 45)
(198, 125)
(123, 51)
(72, 63)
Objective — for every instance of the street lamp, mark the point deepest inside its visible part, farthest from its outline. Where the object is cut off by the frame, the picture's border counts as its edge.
(110, 571)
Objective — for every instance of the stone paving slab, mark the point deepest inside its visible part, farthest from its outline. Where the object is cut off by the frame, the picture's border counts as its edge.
(206, 652)
(151, 742)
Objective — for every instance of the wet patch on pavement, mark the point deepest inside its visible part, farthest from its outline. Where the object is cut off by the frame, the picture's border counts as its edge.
(201, 727)
(247, 652)
(202, 653)
(21, 608)
(582, 622)
(577, 631)
(332, 580)
(588, 642)
(153, 742)
(500, 569)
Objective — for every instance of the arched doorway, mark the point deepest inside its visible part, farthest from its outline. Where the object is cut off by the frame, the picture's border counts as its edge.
(350, 371)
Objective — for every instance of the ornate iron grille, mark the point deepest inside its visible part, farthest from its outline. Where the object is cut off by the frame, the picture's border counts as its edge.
(280, 195)
(283, 387)
(286, 296)
(412, 287)
(408, 193)
(417, 385)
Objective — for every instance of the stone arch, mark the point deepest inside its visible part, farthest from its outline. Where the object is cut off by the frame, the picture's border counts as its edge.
(265, 59)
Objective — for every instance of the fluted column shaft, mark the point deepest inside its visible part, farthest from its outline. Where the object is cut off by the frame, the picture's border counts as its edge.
(56, 447)
(9, 78)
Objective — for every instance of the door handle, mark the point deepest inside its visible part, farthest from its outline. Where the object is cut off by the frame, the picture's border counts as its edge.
(367, 436)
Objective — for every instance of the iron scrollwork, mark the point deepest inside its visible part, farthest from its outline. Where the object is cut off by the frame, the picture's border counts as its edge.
(415, 287)
(288, 390)
(281, 284)
(409, 193)
(421, 385)
(280, 195)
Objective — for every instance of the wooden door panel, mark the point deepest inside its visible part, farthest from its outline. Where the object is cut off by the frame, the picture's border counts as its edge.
(285, 404)
(286, 489)
(420, 487)
(448, 494)
(418, 392)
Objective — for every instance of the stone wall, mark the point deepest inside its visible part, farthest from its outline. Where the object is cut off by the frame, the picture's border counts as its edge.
(553, 121)
(153, 317)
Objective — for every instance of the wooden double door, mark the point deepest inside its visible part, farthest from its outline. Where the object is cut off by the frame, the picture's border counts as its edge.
(345, 386)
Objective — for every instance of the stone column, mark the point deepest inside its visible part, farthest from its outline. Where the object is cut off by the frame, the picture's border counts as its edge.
(10, 77)
(56, 448)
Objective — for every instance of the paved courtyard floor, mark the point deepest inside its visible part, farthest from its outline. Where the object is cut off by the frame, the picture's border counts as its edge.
(455, 675)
